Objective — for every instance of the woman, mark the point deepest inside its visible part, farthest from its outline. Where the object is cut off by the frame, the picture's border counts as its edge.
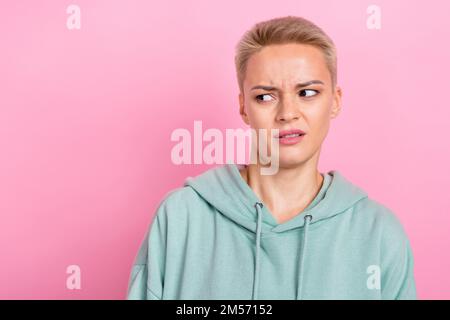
(234, 233)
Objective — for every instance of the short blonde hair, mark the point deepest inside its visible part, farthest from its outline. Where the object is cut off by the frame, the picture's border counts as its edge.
(284, 30)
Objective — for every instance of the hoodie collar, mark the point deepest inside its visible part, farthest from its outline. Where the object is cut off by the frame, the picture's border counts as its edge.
(224, 188)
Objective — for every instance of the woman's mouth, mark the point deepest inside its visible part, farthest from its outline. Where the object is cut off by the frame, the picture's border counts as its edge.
(290, 137)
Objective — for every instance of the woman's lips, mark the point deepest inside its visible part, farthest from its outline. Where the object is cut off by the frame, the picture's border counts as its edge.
(291, 140)
(289, 137)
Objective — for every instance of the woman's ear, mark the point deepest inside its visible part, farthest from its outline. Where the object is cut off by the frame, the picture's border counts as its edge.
(337, 102)
(242, 112)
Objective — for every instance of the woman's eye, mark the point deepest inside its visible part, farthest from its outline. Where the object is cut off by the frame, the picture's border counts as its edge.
(311, 90)
(265, 97)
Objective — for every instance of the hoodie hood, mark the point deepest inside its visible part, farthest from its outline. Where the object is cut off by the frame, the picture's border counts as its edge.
(224, 189)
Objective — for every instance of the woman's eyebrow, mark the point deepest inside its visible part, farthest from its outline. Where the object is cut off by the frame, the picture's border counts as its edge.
(298, 85)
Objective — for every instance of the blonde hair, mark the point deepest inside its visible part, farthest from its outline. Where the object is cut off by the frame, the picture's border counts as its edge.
(284, 30)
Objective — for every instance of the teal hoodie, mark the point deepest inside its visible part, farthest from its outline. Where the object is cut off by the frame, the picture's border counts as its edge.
(213, 238)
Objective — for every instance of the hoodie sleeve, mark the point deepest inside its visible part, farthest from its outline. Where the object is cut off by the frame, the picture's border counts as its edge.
(147, 273)
(397, 275)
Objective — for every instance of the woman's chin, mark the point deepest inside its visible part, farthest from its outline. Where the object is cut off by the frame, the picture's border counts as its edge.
(291, 160)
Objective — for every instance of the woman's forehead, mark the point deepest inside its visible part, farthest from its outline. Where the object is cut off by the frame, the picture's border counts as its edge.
(287, 66)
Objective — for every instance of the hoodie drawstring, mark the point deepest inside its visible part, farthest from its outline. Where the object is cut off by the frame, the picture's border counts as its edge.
(258, 206)
(308, 218)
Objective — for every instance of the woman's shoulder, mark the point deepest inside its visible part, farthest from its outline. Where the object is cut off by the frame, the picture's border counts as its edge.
(178, 194)
(379, 216)
(180, 202)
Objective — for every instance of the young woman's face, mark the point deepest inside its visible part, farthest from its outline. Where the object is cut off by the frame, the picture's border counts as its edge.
(286, 106)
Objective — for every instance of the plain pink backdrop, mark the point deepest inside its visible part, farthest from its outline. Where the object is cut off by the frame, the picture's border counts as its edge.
(86, 117)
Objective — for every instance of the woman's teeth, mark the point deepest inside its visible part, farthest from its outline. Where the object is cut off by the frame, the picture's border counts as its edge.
(290, 135)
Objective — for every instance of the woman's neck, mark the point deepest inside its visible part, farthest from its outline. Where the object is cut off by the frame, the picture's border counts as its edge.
(286, 193)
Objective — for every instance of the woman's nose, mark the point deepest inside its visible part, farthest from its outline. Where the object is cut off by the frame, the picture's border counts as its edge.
(288, 110)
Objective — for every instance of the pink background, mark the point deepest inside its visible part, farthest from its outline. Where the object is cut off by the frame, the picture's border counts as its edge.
(86, 117)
